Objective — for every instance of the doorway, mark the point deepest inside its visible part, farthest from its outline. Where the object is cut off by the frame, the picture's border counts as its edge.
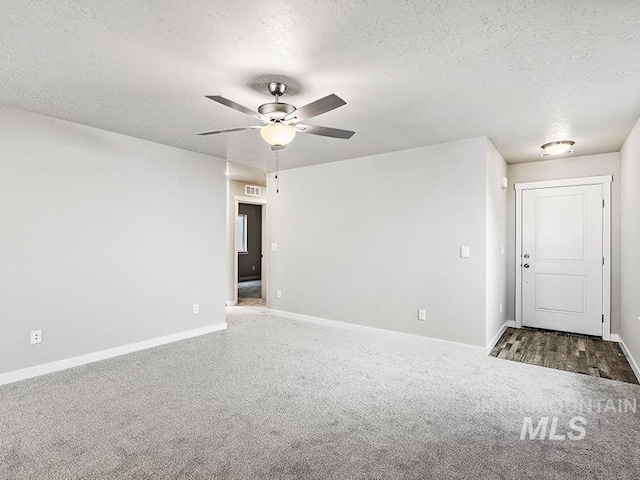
(249, 246)
(562, 255)
(249, 261)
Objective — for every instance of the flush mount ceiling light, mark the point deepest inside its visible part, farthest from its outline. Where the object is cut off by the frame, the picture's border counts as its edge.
(557, 148)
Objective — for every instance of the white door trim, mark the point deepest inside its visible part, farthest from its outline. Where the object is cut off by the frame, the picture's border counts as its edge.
(605, 181)
(567, 182)
(264, 262)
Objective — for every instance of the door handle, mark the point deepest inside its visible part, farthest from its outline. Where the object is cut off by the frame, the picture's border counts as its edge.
(526, 265)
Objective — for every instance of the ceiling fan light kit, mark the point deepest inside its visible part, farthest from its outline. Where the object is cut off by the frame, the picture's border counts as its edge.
(278, 134)
(281, 120)
(557, 148)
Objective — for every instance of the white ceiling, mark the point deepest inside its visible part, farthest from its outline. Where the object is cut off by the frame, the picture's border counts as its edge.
(413, 72)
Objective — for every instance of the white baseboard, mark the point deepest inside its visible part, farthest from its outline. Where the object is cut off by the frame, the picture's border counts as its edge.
(434, 342)
(51, 367)
(632, 361)
(497, 336)
(231, 303)
(511, 323)
(614, 337)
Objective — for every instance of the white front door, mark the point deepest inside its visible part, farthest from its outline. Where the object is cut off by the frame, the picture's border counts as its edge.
(562, 257)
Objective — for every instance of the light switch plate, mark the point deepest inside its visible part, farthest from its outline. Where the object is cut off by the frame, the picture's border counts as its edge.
(274, 247)
(464, 251)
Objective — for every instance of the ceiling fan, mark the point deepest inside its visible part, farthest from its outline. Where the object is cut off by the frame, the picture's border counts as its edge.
(281, 121)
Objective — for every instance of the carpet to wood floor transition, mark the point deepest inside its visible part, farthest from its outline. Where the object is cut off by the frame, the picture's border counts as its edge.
(565, 351)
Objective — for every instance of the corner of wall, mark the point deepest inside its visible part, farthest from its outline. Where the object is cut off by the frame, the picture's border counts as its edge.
(630, 256)
(496, 237)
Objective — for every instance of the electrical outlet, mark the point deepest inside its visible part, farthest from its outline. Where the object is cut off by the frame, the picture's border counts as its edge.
(196, 308)
(36, 336)
(464, 251)
(253, 267)
(274, 247)
(422, 314)
(279, 294)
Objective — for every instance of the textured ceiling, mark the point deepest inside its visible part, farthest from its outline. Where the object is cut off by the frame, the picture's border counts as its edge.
(413, 72)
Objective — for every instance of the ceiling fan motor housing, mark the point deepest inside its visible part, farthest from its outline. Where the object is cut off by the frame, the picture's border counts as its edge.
(276, 110)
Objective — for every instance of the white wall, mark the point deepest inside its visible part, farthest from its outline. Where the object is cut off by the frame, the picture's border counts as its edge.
(496, 242)
(570, 167)
(106, 239)
(236, 189)
(371, 240)
(630, 258)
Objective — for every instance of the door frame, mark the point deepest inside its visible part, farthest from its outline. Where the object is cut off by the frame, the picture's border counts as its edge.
(238, 199)
(605, 181)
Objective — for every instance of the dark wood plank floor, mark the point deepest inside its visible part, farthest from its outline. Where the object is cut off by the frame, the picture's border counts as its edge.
(565, 351)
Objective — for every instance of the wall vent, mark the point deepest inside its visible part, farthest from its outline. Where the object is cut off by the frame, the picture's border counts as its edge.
(252, 190)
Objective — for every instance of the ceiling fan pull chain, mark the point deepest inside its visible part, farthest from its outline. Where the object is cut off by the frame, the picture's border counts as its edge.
(277, 171)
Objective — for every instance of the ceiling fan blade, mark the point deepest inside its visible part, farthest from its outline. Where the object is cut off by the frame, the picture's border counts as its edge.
(226, 130)
(325, 131)
(237, 107)
(313, 109)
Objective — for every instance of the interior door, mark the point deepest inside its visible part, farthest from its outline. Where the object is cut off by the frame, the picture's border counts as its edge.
(562, 258)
